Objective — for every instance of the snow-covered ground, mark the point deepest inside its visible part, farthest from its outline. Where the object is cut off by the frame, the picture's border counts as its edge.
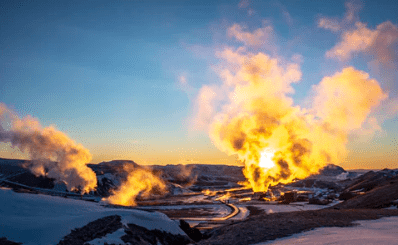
(113, 238)
(296, 206)
(41, 219)
(381, 231)
(196, 198)
(218, 210)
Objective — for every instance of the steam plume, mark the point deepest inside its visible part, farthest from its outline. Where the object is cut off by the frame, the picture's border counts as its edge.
(54, 154)
(256, 115)
(140, 182)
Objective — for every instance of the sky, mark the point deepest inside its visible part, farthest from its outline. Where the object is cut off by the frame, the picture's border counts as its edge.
(124, 78)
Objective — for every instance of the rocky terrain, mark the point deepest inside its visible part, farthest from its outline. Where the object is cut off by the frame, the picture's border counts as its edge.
(134, 234)
(208, 192)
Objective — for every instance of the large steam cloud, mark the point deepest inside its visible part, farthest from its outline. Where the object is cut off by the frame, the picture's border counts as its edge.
(251, 114)
(54, 154)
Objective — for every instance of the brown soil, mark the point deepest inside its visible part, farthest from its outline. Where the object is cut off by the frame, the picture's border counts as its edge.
(263, 227)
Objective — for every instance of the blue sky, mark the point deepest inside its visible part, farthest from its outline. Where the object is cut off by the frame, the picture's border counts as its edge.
(107, 72)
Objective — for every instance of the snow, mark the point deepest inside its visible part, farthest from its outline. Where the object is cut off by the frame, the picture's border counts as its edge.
(297, 206)
(41, 219)
(113, 238)
(196, 198)
(219, 210)
(382, 231)
(342, 176)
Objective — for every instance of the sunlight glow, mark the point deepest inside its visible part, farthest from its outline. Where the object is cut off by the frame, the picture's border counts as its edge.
(266, 159)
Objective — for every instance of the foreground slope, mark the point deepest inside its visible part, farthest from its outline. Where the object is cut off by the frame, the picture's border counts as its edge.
(266, 227)
(42, 219)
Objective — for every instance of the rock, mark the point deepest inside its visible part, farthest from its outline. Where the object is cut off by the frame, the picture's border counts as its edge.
(344, 196)
(93, 230)
(139, 235)
(371, 180)
(288, 197)
(318, 201)
(302, 198)
(314, 183)
(193, 233)
(379, 197)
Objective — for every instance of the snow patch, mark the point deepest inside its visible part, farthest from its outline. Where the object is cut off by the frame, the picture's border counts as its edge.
(342, 176)
(382, 231)
(113, 238)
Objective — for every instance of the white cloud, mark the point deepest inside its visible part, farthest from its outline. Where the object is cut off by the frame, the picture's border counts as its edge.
(329, 24)
(378, 42)
(261, 37)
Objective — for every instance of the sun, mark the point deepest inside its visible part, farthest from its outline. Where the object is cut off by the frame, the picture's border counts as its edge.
(266, 159)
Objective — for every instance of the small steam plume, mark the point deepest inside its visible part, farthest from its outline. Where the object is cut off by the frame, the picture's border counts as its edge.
(184, 175)
(254, 117)
(140, 182)
(54, 154)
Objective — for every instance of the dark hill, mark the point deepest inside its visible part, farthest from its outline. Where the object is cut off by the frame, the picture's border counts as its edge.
(331, 170)
(114, 166)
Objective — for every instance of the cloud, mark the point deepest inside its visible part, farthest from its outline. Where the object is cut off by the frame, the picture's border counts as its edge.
(204, 107)
(380, 43)
(329, 24)
(336, 25)
(243, 4)
(285, 13)
(182, 80)
(385, 45)
(183, 85)
(250, 12)
(345, 100)
(352, 10)
(387, 110)
(354, 41)
(288, 18)
(261, 37)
